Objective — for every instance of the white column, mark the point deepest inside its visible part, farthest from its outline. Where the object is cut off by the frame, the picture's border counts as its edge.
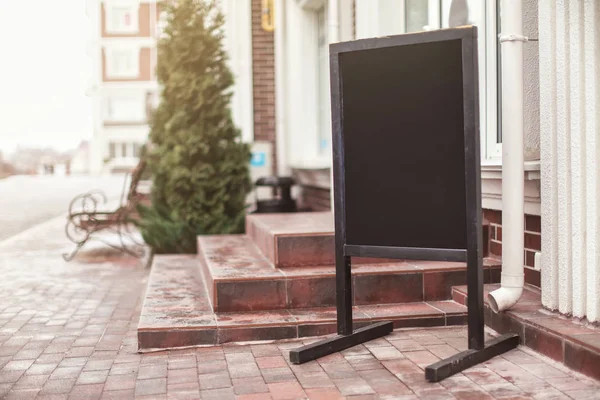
(547, 43)
(299, 72)
(577, 158)
(591, 85)
(333, 21)
(563, 161)
(570, 155)
(280, 88)
(238, 42)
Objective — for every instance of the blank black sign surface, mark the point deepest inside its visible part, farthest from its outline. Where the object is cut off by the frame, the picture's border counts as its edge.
(403, 136)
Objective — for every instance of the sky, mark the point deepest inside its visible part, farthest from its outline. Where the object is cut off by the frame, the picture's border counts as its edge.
(44, 73)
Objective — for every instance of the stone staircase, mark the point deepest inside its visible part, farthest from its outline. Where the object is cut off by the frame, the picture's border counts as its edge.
(278, 281)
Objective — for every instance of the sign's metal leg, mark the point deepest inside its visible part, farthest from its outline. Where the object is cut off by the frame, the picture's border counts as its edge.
(346, 337)
(340, 342)
(479, 351)
(476, 323)
(343, 284)
(466, 359)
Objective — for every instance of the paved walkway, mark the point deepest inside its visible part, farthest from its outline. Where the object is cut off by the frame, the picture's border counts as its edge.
(27, 200)
(67, 330)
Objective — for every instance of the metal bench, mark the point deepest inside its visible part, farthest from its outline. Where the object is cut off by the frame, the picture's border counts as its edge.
(85, 220)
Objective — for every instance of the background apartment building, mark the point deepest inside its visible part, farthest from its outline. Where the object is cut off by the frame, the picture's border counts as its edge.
(124, 86)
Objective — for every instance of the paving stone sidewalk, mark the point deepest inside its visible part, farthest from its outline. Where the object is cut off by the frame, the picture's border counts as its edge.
(67, 331)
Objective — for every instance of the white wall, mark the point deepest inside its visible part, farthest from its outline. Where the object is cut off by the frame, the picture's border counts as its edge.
(570, 155)
(238, 42)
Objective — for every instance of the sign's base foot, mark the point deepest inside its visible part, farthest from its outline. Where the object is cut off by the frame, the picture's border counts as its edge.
(466, 359)
(340, 342)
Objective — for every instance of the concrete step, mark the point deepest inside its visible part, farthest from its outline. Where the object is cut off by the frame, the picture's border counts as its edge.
(177, 313)
(240, 278)
(297, 239)
(302, 239)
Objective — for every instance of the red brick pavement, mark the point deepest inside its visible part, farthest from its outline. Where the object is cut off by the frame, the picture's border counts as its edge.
(67, 331)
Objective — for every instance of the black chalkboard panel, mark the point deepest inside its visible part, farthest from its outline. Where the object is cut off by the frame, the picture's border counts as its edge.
(404, 146)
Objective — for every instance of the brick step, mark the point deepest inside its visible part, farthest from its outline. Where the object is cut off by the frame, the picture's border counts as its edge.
(302, 239)
(177, 313)
(297, 239)
(240, 278)
(567, 340)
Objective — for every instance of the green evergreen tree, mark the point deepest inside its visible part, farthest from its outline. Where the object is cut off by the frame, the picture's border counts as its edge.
(199, 164)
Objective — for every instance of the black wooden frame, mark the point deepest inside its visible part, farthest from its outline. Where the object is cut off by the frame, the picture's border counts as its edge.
(478, 350)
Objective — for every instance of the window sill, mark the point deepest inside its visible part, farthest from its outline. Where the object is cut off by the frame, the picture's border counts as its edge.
(491, 186)
(311, 4)
(121, 32)
(125, 123)
(317, 163)
(493, 170)
(318, 175)
(313, 177)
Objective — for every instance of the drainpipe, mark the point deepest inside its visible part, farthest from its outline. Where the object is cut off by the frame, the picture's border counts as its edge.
(280, 80)
(513, 225)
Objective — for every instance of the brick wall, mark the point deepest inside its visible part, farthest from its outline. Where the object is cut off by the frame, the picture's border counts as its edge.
(263, 69)
(533, 241)
(314, 198)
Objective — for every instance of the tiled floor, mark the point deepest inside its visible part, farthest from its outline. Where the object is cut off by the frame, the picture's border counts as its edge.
(67, 330)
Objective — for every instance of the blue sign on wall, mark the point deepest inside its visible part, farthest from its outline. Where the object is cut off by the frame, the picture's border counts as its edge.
(259, 159)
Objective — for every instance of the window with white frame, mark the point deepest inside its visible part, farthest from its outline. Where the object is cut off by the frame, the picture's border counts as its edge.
(122, 18)
(416, 15)
(125, 109)
(324, 136)
(123, 62)
(398, 16)
(423, 15)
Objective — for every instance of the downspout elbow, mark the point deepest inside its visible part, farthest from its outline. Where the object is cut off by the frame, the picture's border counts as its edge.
(508, 295)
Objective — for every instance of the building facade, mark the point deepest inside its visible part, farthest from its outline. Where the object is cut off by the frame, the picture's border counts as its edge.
(283, 87)
(123, 53)
(278, 52)
(296, 53)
